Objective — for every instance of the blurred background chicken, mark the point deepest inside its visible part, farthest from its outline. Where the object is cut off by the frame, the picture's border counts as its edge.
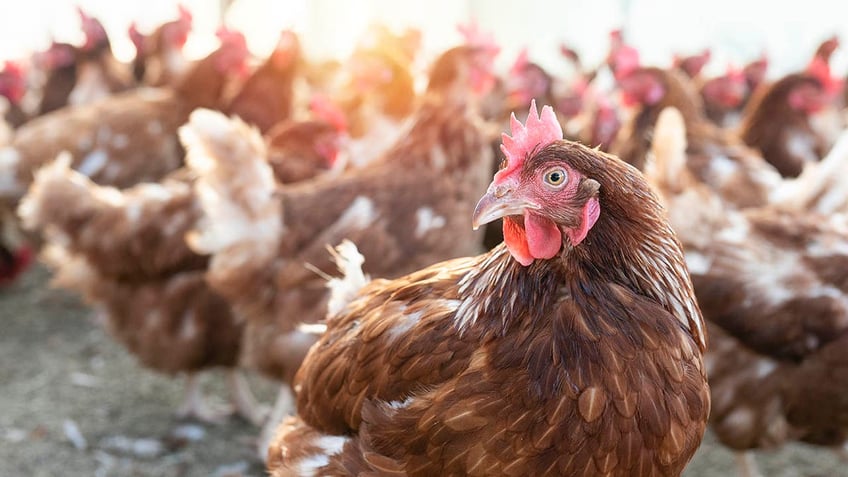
(159, 58)
(123, 139)
(184, 168)
(124, 252)
(268, 250)
(770, 282)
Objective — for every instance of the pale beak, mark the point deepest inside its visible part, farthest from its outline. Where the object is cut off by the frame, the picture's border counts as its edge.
(499, 202)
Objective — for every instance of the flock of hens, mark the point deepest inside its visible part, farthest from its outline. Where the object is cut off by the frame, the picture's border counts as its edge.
(308, 221)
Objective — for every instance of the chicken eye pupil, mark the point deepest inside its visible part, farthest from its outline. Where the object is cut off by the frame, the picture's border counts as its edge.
(555, 177)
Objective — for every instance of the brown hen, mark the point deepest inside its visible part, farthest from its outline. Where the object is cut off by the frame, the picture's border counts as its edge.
(159, 59)
(124, 139)
(772, 286)
(573, 349)
(125, 253)
(791, 120)
(716, 157)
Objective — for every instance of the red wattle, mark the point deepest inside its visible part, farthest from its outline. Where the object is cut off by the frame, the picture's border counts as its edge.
(516, 242)
(543, 236)
(538, 238)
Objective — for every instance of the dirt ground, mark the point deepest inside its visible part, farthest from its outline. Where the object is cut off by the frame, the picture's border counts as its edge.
(74, 403)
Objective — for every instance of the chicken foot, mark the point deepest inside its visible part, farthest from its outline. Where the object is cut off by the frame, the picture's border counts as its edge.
(747, 465)
(194, 405)
(242, 399)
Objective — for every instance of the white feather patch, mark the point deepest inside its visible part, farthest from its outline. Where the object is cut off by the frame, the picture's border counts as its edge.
(427, 220)
(819, 187)
(401, 404)
(154, 128)
(330, 445)
(359, 215)
(405, 323)
(235, 184)
(668, 150)
(343, 290)
(721, 167)
(698, 263)
(764, 368)
(120, 141)
(801, 145)
(9, 160)
(93, 162)
(312, 328)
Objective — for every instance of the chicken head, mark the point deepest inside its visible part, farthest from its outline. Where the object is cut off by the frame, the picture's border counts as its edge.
(541, 197)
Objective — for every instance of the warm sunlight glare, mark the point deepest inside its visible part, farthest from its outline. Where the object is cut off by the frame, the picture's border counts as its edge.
(737, 31)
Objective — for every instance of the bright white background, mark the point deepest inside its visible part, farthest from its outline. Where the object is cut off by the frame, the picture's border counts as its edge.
(738, 30)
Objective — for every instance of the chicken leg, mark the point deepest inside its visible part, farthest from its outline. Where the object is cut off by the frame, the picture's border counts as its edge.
(194, 405)
(242, 399)
(747, 465)
(284, 406)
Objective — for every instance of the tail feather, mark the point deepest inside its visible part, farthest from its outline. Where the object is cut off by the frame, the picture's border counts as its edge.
(241, 223)
(32, 207)
(665, 167)
(235, 183)
(45, 205)
(70, 272)
(45, 208)
(820, 187)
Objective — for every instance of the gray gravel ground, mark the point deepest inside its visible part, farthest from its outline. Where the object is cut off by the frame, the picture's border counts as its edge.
(62, 380)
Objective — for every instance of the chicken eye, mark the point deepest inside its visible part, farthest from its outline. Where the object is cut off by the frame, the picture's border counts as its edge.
(555, 177)
(502, 164)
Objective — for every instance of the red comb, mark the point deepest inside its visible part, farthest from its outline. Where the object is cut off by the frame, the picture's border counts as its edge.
(603, 103)
(89, 23)
(693, 65)
(569, 53)
(13, 84)
(232, 55)
(323, 108)
(827, 47)
(84, 17)
(93, 29)
(136, 37)
(624, 61)
(616, 36)
(185, 14)
(537, 132)
(56, 56)
(761, 61)
(755, 71)
(477, 38)
(734, 74)
(580, 84)
(288, 40)
(13, 67)
(521, 62)
(176, 32)
(230, 37)
(820, 70)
